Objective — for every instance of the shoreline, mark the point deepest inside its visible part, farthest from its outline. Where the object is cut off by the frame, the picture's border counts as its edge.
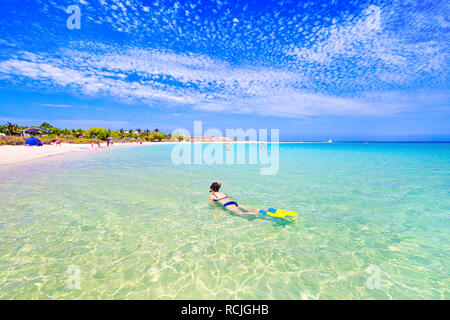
(12, 155)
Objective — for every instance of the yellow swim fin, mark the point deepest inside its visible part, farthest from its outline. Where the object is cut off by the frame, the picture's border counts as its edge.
(279, 213)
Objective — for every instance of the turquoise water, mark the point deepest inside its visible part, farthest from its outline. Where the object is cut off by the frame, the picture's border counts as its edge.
(139, 227)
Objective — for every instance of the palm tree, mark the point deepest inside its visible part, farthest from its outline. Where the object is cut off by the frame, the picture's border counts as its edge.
(156, 130)
(46, 125)
(13, 129)
(8, 128)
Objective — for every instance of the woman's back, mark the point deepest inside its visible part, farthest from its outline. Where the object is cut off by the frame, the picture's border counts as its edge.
(217, 196)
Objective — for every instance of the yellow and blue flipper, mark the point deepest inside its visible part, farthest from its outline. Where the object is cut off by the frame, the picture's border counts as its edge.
(279, 213)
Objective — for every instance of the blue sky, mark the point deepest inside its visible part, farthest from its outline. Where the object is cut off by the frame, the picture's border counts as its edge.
(347, 70)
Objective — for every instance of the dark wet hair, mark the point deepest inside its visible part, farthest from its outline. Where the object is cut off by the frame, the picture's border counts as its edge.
(215, 186)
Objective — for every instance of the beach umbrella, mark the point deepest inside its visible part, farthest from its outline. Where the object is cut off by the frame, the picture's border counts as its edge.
(33, 141)
(32, 130)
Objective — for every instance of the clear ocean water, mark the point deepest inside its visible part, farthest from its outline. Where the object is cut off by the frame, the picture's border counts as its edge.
(136, 226)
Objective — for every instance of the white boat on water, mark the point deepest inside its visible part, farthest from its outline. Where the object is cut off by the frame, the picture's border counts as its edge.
(330, 141)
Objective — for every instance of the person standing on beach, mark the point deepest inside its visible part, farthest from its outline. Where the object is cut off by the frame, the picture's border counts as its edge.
(58, 142)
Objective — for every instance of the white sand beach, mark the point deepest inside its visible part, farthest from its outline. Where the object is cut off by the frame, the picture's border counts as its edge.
(17, 154)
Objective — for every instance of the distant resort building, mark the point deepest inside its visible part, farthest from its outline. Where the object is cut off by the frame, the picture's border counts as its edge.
(211, 139)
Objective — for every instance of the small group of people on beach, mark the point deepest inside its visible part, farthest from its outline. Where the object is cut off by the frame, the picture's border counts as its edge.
(97, 142)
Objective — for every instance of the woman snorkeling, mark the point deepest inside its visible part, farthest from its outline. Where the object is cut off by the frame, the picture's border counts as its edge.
(223, 199)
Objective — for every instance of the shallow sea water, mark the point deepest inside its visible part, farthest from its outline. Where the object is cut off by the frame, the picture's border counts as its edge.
(139, 227)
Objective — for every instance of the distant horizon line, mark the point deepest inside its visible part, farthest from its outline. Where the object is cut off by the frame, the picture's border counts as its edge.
(309, 142)
(324, 140)
(360, 141)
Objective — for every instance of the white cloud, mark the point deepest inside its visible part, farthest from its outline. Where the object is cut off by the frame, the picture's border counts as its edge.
(84, 123)
(198, 82)
(365, 45)
(87, 81)
(55, 105)
(356, 65)
(64, 123)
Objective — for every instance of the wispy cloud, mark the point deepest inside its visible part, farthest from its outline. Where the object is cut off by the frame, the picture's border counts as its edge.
(281, 62)
(83, 123)
(54, 105)
(364, 46)
(69, 123)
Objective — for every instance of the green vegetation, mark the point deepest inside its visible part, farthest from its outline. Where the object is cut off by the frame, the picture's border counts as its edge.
(14, 134)
(98, 133)
(11, 129)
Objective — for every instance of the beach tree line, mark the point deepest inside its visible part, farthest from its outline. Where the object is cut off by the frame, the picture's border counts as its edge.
(82, 136)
